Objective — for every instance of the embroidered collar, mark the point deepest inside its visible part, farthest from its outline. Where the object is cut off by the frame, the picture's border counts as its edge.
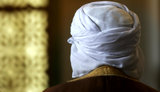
(104, 71)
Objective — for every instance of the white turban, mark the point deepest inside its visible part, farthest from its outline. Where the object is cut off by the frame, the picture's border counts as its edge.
(105, 33)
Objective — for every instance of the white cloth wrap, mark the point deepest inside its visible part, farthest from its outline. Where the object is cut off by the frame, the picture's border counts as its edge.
(105, 33)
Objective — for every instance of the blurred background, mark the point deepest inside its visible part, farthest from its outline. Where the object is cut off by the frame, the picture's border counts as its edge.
(34, 53)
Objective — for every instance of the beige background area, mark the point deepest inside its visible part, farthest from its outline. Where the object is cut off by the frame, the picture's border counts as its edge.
(148, 12)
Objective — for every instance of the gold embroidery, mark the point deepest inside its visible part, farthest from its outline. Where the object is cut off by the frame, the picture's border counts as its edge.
(103, 71)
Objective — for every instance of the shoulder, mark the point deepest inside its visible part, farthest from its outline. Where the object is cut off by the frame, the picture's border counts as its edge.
(102, 84)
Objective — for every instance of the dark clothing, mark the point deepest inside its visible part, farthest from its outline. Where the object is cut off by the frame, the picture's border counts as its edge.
(102, 84)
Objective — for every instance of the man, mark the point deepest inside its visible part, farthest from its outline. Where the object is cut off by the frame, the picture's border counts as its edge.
(105, 52)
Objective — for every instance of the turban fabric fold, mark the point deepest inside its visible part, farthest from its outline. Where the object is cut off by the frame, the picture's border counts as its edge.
(105, 33)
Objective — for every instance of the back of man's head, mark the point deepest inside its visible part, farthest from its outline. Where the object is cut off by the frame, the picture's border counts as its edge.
(105, 33)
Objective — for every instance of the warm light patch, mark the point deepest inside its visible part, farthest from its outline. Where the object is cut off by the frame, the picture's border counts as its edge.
(23, 51)
(23, 3)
